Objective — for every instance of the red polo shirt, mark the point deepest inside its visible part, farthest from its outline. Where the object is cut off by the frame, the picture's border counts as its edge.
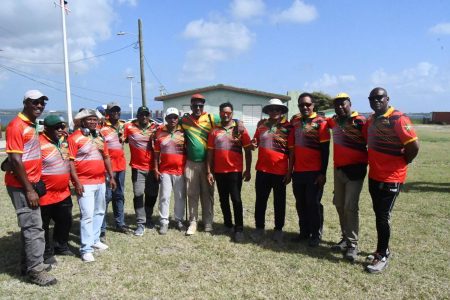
(309, 133)
(386, 137)
(116, 154)
(227, 145)
(141, 148)
(172, 149)
(22, 137)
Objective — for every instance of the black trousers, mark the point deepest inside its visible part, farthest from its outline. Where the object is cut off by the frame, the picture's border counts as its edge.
(229, 185)
(264, 183)
(308, 197)
(383, 199)
(61, 214)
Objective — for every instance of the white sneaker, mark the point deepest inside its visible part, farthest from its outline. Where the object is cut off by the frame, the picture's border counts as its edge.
(88, 257)
(100, 246)
(192, 228)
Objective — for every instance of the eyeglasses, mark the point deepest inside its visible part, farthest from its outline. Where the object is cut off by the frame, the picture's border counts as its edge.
(226, 113)
(38, 101)
(59, 127)
(305, 104)
(143, 115)
(377, 98)
(114, 111)
(197, 105)
(170, 117)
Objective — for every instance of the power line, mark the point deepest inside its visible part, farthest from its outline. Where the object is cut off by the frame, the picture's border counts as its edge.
(72, 61)
(153, 73)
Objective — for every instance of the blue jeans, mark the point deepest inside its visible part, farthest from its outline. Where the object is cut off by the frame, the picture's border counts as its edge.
(118, 200)
(92, 209)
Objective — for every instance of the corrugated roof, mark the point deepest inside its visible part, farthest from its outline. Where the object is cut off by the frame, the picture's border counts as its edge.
(222, 87)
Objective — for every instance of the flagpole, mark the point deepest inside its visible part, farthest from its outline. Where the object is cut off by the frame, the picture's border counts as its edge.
(66, 65)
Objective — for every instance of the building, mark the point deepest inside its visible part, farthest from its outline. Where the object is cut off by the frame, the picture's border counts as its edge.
(440, 117)
(247, 103)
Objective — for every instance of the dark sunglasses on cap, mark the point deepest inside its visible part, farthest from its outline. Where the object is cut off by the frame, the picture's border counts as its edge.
(38, 101)
(377, 98)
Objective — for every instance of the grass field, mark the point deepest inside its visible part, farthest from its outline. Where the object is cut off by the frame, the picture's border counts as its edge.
(212, 267)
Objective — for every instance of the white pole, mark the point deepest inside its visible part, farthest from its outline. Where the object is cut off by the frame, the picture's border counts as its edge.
(131, 95)
(66, 67)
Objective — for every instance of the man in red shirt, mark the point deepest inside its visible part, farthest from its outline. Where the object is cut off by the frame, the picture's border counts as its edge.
(112, 132)
(25, 165)
(139, 135)
(56, 204)
(89, 159)
(392, 145)
(272, 167)
(311, 141)
(170, 160)
(224, 165)
(350, 168)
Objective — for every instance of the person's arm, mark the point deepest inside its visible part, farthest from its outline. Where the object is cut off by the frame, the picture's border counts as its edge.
(209, 166)
(79, 189)
(15, 159)
(324, 153)
(112, 181)
(248, 163)
(156, 163)
(411, 151)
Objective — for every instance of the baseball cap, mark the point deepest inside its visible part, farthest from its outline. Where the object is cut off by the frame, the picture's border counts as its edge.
(53, 120)
(342, 96)
(34, 95)
(143, 109)
(172, 111)
(198, 97)
(110, 105)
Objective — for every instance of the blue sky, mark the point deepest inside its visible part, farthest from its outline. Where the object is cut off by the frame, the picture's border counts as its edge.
(273, 46)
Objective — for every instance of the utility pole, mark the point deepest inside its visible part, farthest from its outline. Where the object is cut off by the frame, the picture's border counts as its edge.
(131, 94)
(66, 64)
(141, 56)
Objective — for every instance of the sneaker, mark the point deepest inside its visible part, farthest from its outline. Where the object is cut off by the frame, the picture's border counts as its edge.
(51, 261)
(100, 246)
(257, 235)
(163, 229)
(123, 229)
(314, 241)
(192, 228)
(208, 228)
(180, 226)
(371, 257)
(67, 252)
(378, 264)
(23, 269)
(340, 247)
(88, 257)
(149, 224)
(277, 236)
(239, 237)
(103, 237)
(41, 278)
(139, 230)
(351, 254)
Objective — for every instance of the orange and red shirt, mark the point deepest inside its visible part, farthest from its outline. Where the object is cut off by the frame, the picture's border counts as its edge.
(386, 137)
(227, 145)
(112, 136)
(55, 170)
(273, 153)
(349, 144)
(171, 149)
(22, 138)
(141, 148)
(87, 152)
(308, 134)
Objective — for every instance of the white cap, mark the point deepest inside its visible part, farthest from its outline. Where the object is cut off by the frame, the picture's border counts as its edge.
(172, 111)
(34, 95)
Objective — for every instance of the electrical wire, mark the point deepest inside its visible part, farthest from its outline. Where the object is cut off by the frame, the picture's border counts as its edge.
(151, 71)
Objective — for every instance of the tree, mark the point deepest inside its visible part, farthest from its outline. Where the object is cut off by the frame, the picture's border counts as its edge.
(322, 101)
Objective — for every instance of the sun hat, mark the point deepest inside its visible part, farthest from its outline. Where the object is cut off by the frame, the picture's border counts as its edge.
(87, 112)
(275, 102)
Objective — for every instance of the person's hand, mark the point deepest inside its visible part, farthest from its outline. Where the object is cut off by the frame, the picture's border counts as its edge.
(246, 176)
(79, 189)
(254, 144)
(112, 183)
(157, 176)
(287, 178)
(320, 180)
(210, 178)
(32, 199)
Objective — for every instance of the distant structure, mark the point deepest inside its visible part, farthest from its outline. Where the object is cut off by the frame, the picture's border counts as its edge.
(440, 117)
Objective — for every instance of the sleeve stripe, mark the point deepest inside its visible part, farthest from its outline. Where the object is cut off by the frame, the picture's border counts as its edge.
(410, 140)
(14, 151)
(324, 141)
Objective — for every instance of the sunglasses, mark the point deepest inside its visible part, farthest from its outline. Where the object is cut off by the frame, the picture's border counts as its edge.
(59, 127)
(226, 113)
(172, 117)
(377, 98)
(197, 105)
(305, 104)
(38, 101)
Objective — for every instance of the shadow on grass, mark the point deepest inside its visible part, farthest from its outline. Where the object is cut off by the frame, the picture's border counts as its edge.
(422, 186)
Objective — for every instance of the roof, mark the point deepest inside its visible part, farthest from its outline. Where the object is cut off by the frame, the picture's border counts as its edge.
(222, 87)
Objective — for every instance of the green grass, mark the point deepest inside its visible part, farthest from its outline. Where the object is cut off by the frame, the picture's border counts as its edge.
(205, 266)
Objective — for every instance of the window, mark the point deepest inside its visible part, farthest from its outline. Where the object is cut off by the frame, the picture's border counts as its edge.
(185, 109)
(251, 114)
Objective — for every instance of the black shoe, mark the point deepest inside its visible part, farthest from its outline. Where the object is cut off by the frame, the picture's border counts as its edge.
(64, 252)
(300, 238)
(103, 237)
(41, 278)
(123, 229)
(50, 260)
(149, 224)
(314, 242)
(23, 269)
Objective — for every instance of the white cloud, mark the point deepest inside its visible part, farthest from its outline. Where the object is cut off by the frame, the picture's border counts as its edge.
(329, 81)
(128, 2)
(246, 9)
(422, 78)
(215, 41)
(441, 28)
(299, 12)
(37, 36)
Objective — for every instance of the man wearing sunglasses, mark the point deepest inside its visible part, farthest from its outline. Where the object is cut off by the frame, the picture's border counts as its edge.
(392, 145)
(311, 143)
(197, 126)
(56, 204)
(25, 169)
(112, 132)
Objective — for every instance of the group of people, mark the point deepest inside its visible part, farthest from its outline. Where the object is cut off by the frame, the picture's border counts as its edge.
(189, 155)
